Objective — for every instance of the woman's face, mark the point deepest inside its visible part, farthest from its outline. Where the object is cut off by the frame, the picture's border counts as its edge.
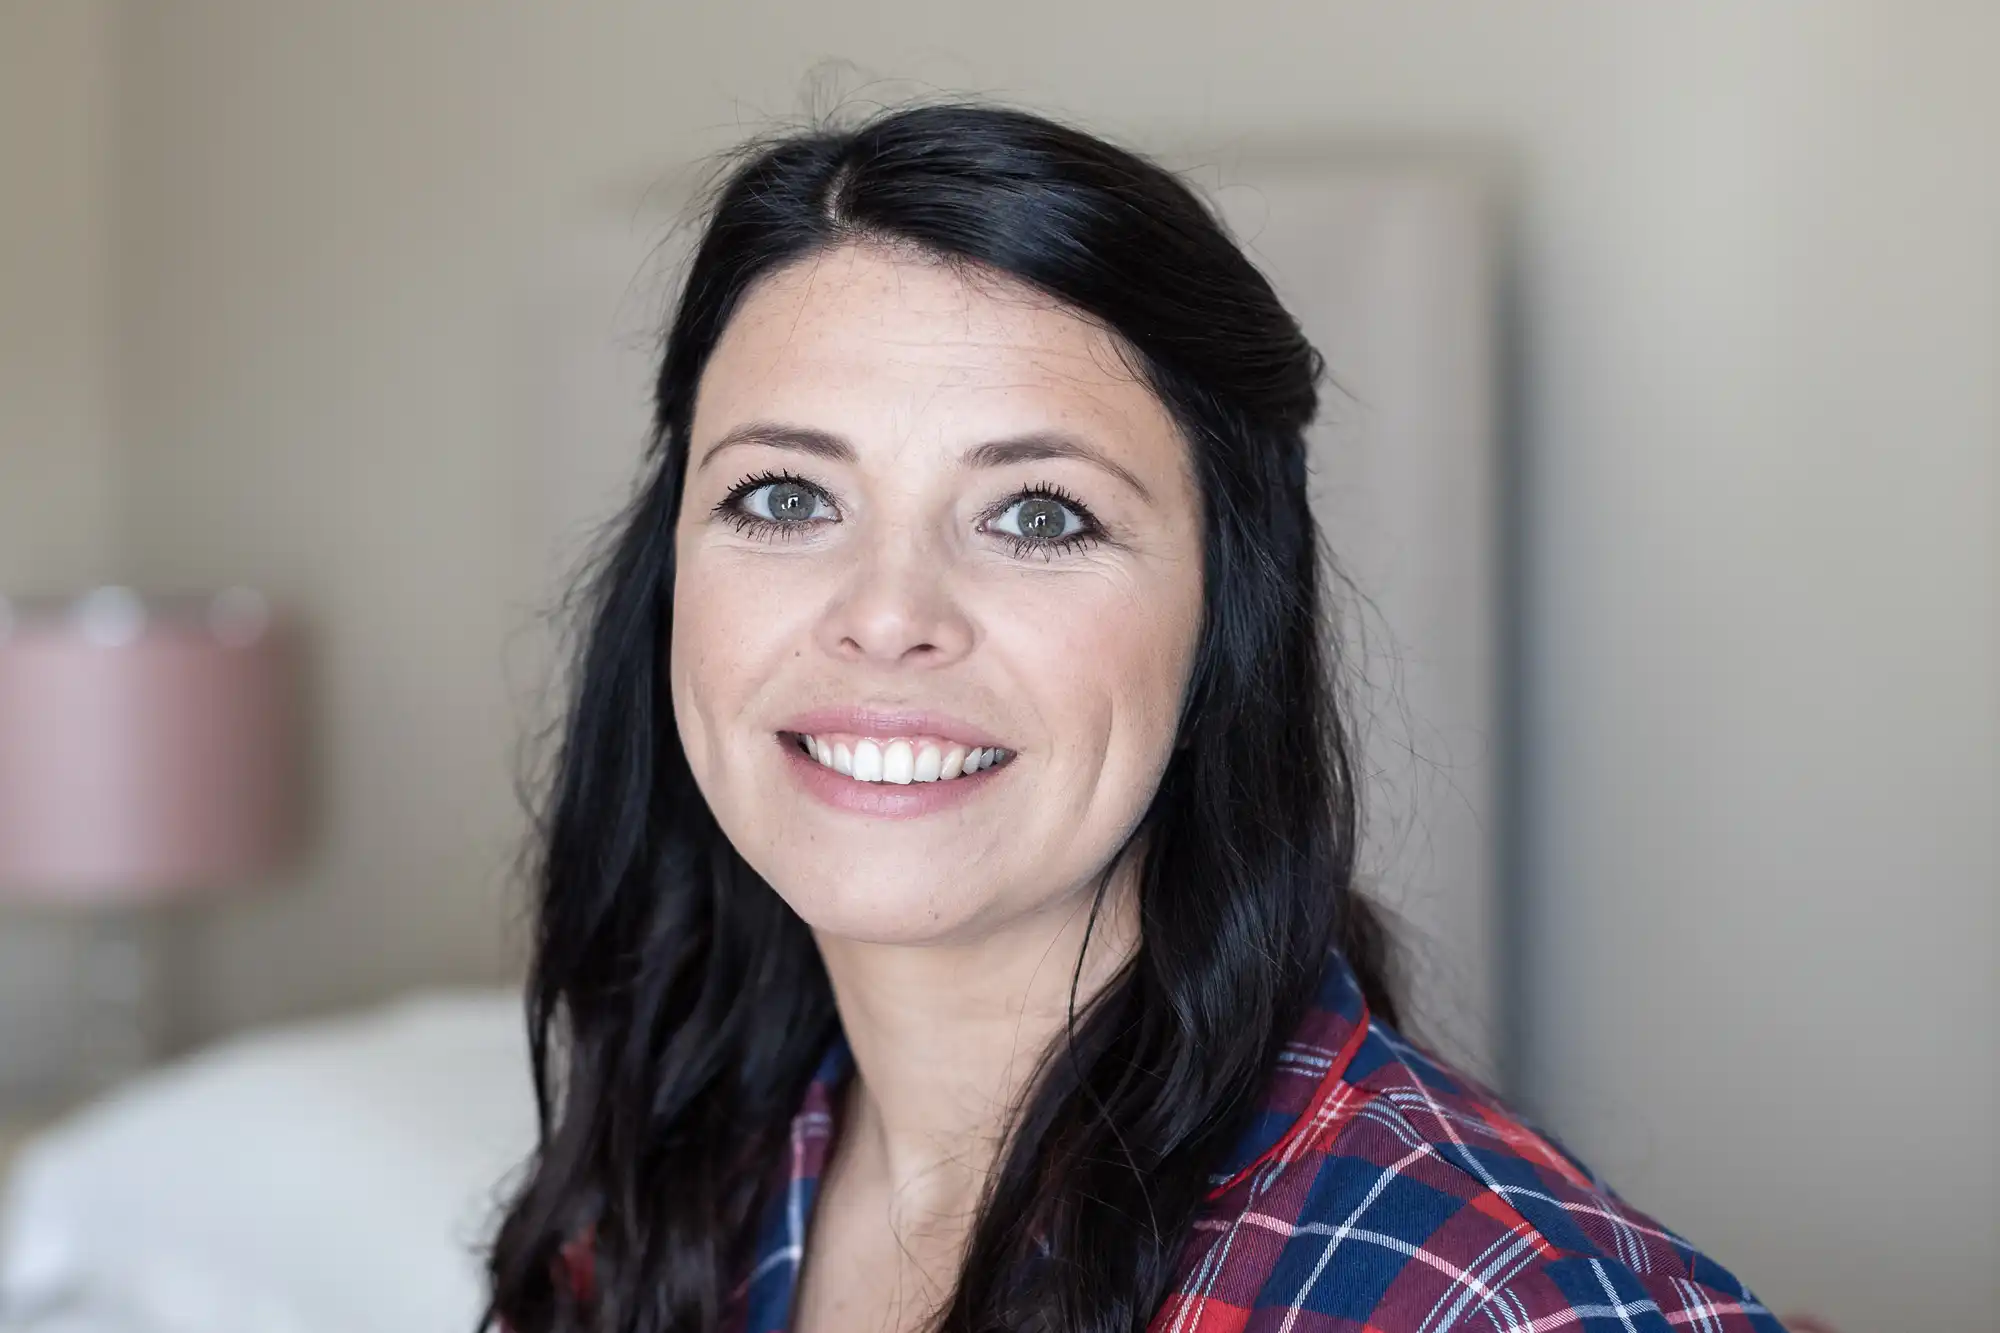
(938, 581)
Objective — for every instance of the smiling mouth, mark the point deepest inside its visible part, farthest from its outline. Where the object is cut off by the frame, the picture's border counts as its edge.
(902, 760)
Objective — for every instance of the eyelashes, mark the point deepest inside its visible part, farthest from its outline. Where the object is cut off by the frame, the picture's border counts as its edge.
(750, 509)
(1087, 531)
(783, 506)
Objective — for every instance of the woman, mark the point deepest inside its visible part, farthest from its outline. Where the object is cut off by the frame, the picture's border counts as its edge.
(946, 916)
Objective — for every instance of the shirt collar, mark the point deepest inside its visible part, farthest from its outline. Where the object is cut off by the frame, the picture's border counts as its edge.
(1309, 1068)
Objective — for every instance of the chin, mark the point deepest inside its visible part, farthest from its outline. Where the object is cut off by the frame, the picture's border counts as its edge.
(897, 910)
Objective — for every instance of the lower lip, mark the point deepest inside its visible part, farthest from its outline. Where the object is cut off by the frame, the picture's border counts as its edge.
(884, 800)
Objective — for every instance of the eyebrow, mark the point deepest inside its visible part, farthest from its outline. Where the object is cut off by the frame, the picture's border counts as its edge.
(1032, 447)
(1043, 444)
(800, 439)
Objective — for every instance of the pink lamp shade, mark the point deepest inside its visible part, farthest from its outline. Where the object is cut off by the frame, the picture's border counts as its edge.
(148, 751)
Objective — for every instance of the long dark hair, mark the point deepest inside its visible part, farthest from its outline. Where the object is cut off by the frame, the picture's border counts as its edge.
(677, 1007)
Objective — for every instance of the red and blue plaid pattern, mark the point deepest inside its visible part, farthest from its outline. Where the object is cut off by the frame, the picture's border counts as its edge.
(1376, 1192)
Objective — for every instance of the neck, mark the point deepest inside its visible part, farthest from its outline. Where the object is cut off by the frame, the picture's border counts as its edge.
(945, 1038)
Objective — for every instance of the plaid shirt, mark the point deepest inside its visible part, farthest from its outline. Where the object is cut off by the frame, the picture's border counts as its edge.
(1376, 1192)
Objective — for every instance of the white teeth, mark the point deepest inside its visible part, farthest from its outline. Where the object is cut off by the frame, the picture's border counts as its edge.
(867, 761)
(898, 763)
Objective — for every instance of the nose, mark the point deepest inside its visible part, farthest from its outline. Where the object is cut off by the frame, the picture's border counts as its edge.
(896, 608)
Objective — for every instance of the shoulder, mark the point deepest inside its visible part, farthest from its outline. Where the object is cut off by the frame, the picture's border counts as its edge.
(1408, 1197)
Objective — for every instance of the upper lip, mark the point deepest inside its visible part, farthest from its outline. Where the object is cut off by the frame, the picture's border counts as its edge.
(886, 723)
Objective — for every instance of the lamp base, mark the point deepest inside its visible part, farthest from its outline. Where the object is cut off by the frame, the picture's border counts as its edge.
(121, 1002)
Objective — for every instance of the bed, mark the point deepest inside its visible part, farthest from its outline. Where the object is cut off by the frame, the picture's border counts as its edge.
(338, 1176)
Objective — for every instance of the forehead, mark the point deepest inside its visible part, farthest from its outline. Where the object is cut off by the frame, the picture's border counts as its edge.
(861, 339)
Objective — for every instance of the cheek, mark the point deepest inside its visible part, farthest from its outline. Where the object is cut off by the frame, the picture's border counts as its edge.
(1109, 657)
(727, 641)
(1149, 652)
(691, 665)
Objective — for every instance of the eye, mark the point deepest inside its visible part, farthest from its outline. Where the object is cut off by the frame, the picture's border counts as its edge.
(785, 501)
(1041, 519)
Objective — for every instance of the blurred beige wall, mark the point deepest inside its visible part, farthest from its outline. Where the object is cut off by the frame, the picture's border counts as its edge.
(55, 293)
(57, 491)
(1758, 272)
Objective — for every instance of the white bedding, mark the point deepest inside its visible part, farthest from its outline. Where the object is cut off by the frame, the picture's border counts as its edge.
(333, 1177)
